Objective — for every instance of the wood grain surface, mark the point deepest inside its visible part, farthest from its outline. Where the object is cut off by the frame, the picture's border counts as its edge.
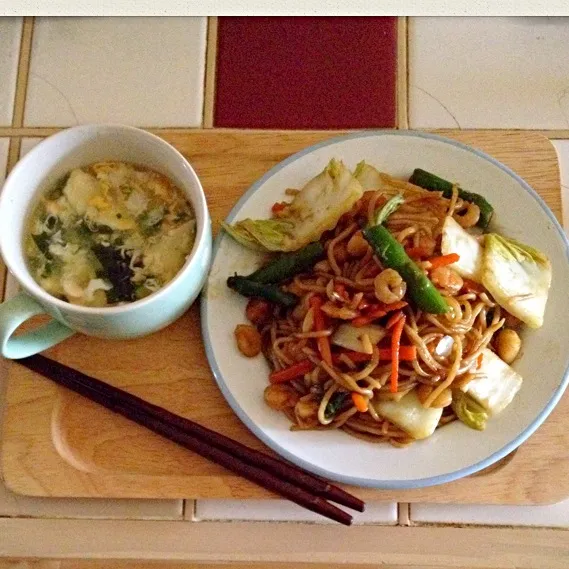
(58, 444)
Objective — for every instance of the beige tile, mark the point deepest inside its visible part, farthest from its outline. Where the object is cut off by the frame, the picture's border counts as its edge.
(284, 511)
(10, 35)
(489, 72)
(141, 71)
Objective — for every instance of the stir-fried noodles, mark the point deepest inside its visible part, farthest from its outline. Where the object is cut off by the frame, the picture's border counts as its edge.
(356, 352)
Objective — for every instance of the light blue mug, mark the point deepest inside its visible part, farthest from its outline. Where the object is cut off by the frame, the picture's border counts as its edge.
(38, 171)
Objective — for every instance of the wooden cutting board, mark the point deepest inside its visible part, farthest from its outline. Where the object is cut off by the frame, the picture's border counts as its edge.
(58, 444)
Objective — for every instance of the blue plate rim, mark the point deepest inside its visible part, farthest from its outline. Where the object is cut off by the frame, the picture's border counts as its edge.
(356, 480)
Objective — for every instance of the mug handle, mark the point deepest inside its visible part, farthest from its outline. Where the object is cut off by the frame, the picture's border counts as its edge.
(14, 312)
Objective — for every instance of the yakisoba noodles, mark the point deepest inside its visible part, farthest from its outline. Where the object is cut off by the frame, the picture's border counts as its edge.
(399, 318)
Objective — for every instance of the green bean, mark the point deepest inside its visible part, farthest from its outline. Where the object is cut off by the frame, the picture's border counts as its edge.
(431, 182)
(286, 265)
(269, 292)
(392, 254)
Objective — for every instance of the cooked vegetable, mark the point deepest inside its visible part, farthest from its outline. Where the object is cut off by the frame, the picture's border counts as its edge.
(429, 181)
(497, 386)
(376, 311)
(444, 347)
(517, 276)
(360, 402)
(248, 340)
(368, 176)
(395, 347)
(315, 209)
(292, 372)
(269, 292)
(335, 404)
(392, 254)
(469, 411)
(456, 240)
(350, 337)
(286, 265)
(443, 260)
(116, 268)
(508, 345)
(393, 319)
(406, 353)
(319, 325)
(409, 415)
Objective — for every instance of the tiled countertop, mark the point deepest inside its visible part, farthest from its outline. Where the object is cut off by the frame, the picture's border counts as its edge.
(154, 72)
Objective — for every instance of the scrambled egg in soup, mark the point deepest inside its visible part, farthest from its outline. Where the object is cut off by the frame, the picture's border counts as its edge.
(108, 234)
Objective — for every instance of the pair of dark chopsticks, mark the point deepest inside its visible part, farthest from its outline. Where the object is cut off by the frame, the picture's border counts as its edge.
(287, 480)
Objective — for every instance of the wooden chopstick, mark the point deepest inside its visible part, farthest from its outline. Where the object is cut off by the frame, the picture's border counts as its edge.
(289, 481)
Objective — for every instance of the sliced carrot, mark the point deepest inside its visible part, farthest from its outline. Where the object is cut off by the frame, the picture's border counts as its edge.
(360, 321)
(479, 361)
(443, 260)
(377, 311)
(395, 354)
(406, 354)
(360, 402)
(394, 319)
(292, 372)
(323, 343)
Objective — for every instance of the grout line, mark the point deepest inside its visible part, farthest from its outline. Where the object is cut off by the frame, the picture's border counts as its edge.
(403, 514)
(210, 72)
(23, 72)
(13, 153)
(402, 80)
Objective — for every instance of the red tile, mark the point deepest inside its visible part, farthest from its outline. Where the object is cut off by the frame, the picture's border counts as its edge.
(301, 72)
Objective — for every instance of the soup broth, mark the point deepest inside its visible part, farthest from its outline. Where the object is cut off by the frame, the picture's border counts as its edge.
(108, 234)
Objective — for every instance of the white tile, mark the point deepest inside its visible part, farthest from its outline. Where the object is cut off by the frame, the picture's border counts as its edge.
(556, 515)
(140, 71)
(284, 511)
(4, 144)
(562, 148)
(489, 72)
(10, 35)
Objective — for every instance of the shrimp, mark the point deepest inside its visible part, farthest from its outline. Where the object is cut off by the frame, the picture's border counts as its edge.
(389, 287)
(468, 218)
(447, 279)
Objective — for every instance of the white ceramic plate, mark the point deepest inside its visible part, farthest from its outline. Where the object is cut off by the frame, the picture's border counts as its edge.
(455, 450)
